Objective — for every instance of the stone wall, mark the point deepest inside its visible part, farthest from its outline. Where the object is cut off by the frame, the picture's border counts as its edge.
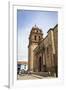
(48, 50)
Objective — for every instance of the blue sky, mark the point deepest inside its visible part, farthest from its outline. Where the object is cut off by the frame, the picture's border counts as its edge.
(26, 19)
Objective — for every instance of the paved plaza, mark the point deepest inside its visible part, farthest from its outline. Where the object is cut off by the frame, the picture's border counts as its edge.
(27, 77)
(31, 77)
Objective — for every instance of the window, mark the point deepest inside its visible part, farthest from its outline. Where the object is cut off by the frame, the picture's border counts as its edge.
(39, 37)
(35, 37)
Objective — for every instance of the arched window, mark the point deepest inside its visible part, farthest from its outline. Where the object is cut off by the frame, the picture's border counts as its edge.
(37, 31)
(35, 37)
(39, 37)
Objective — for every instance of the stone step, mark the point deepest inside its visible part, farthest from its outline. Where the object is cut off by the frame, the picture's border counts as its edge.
(37, 76)
(44, 74)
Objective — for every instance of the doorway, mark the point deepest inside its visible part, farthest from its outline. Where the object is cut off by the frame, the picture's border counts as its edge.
(40, 64)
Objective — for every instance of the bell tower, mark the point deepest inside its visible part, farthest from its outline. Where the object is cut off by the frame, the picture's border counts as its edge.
(36, 36)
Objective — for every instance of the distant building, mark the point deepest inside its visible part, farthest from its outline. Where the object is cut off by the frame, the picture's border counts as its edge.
(43, 52)
(22, 65)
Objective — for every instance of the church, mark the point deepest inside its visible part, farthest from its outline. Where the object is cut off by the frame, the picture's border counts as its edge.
(43, 52)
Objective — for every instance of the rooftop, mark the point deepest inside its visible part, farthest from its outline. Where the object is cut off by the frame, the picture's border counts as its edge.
(22, 62)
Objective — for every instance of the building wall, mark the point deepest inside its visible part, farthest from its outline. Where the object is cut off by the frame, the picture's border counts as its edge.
(56, 48)
(55, 32)
(48, 51)
(30, 57)
(22, 66)
(35, 36)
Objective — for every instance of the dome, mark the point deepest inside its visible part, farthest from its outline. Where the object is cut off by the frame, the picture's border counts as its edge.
(36, 29)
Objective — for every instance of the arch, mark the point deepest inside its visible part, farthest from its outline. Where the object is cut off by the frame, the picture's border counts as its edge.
(39, 38)
(35, 37)
(40, 64)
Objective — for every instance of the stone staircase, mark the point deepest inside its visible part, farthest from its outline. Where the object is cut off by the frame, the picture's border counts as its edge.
(44, 74)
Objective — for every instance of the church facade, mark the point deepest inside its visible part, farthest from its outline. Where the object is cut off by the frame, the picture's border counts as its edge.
(43, 52)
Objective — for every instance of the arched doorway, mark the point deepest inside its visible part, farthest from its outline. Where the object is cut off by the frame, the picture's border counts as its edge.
(40, 64)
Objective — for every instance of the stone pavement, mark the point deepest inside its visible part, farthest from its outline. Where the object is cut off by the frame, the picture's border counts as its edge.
(27, 77)
(30, 76)
(37, 76)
